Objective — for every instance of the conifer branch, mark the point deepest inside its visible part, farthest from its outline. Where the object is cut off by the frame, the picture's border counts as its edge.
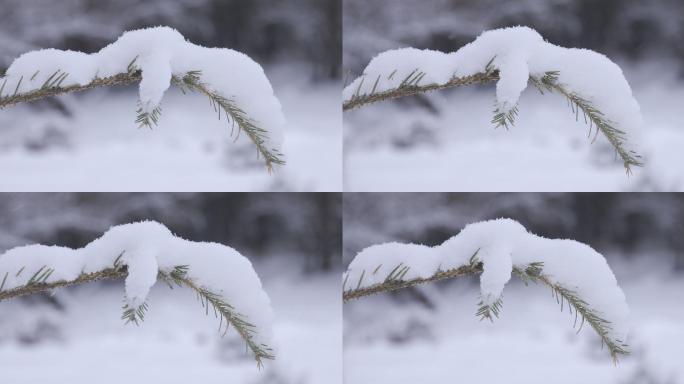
(395, 281)
(222, 310)
(585, 313)
(237, 117)
(177, 277)
(531, 273)
(592, 116)
(188, 82)
(548, 82)
(51, 88)
(413, 88)
(33, 287)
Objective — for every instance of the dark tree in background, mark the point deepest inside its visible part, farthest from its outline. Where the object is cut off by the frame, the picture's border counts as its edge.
(304, 227)
(644, 30)
(624, 225)
(306, 32)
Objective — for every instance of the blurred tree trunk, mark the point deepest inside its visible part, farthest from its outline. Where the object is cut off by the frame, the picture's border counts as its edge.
(331, 37)
(233, 21)
(327, 230)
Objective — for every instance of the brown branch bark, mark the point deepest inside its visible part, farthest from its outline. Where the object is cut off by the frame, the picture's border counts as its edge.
(119, 79)
(361, 100)
(105, 274)
(395, 285)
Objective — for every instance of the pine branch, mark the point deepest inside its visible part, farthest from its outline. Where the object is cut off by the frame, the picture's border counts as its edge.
(178, 276)
(134, 315)
(223, 310)
(531, 273)
(583, 311)
(51, 88)
(147, 119)
(616, 348)
(188, 82)
(33, 287)
(411, 88)
(237, 117)
(592, 116)
(548, 82)
(504, 119)
(395, 281)
(489, 311)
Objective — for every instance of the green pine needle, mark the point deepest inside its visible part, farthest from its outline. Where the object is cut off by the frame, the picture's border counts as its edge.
(134, 315)
(147, 119)
(489, 311)
(505, 119)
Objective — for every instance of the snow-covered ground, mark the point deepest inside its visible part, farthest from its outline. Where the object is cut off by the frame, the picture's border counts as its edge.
(100, 147)
(392, 147)
(177, 342)
(400, 341)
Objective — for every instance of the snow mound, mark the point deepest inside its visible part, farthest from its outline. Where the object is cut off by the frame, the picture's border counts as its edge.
(500, 245)
(160, 53)
(147, 248)
(518, 53)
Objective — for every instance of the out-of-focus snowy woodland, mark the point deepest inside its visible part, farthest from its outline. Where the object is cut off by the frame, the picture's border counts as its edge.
(431, 333)
(77, 335)
(445, 141)
(90, 142)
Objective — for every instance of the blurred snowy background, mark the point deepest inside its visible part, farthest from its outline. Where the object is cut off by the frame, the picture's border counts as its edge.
(77, 336)
(90, 142)
(445, 141)
(430, 334)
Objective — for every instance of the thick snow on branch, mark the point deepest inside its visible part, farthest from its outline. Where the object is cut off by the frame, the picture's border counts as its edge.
(147, 248)
(517, 53)
(159, 53)
(502, 245)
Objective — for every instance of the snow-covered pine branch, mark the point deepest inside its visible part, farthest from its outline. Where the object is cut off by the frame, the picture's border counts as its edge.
(158, 57)
(578, 276)
(594, 86)
(224, 280)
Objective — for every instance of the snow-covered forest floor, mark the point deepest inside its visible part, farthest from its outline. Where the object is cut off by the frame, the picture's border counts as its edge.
(452, 145)
(177, 343)
(99, 147)
(437, 338)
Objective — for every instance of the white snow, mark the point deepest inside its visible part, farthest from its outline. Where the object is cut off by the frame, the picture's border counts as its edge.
(502, 244)
(190, 151)
(159, 53)
(412, 342)
(518, 53)
(146, 248)
(177, 333)
(450, 146)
